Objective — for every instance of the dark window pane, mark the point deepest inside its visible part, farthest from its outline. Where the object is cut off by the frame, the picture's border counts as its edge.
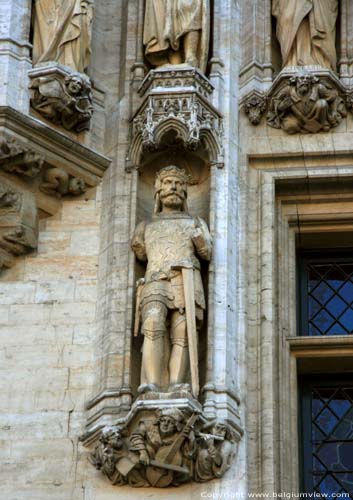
(327, 410)
(327, 298)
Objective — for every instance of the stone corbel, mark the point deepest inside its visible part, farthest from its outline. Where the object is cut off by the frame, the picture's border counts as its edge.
(18, 159)
(176, 100)
(38, 167)
(255, 106)
(62, 96)
(18, 222)
(165, 440)
(301, 100)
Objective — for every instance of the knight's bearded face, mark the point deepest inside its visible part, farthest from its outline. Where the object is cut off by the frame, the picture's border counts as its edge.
(172, 192)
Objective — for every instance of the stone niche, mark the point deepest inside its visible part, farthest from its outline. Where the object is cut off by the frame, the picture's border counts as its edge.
(198, 200)
(167, 438)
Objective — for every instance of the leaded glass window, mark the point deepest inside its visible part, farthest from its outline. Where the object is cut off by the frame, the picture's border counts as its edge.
(327, 428)
(326, 302)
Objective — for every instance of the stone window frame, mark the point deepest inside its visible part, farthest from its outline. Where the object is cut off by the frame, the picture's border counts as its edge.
(274, 348)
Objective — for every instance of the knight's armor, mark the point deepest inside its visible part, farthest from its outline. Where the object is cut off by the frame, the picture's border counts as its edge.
(167, 244)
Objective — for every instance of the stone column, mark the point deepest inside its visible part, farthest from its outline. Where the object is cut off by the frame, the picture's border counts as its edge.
(345, 64)
(256, 70)
(112, 395)
(221, 389)
(15, 48)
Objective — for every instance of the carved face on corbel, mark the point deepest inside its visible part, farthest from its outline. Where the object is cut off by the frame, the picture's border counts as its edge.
(303, 83)
(167, 425)
(170, 421)
(112, 438)
(219, 429)
(74, 85)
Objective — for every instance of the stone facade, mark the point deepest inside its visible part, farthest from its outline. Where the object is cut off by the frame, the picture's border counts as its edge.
(76, 178)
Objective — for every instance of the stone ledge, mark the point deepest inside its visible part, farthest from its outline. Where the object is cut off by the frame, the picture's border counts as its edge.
(59, 150)
(338, 345)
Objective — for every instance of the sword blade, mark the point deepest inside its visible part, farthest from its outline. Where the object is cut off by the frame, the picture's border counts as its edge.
(175, 468)
(189, 294)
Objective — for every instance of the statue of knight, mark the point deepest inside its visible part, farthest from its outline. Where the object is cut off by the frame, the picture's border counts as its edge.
(170, 298)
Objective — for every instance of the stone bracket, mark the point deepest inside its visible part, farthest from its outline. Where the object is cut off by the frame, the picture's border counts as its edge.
(169, 432)
(18, 222)
(329, 97)
(176, 100)
(62, 96)
(255, 105)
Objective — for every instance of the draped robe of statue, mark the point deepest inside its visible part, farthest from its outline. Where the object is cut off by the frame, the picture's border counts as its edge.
(306, 31)
(62, 32)
(168, 21)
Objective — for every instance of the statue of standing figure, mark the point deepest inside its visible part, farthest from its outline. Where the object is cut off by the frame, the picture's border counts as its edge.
(62, 32)
(170, 298)
(177, 32)
(306, 31)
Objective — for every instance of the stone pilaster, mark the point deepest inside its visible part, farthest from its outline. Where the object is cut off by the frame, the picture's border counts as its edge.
(15, 48)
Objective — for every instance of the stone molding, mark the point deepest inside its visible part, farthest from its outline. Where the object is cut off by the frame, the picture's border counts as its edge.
(58, 149)
(176, 99)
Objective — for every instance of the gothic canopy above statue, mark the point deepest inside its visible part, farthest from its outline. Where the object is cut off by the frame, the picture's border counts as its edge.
(177, 32)
(306, 31)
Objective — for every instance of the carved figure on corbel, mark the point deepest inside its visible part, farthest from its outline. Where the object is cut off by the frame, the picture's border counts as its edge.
(255, 106)
(18, 159)
(216, 450)
(64, 100)
(57, 182)
(306, 104)
(113, 457)
(169, 447)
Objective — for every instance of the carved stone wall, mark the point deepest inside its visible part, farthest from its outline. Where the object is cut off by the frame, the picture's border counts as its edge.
(72, 423)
